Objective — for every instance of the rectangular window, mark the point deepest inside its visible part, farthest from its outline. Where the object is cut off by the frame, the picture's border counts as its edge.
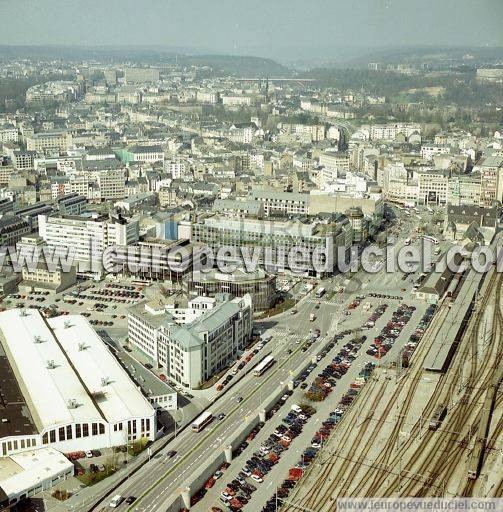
(62, 433)
(85, 430)
(78, 430)
(95, 429)
(102, 428)
(69, 433)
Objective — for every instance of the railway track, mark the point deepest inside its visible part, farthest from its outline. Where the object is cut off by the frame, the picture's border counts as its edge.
(314, 495)
(444, 441)
(443, 448)
(383, 461)
(344, 441)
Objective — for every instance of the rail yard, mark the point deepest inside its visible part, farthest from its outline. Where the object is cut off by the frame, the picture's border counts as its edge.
(423, 431)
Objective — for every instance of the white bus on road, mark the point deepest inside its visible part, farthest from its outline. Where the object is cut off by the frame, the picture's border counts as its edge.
(199, 423)
(263, 366)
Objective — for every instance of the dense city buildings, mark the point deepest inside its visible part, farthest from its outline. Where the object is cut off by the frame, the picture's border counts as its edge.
(205, 258)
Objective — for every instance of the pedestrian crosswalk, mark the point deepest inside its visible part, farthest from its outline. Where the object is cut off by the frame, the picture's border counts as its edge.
(284, 335)
(335, 299)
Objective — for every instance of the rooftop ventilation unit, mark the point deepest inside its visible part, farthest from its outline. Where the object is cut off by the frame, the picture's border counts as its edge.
(67, 324)
(82, 346)
(51, 364)
(72, 403)
(37, 339)
(24, 312)
(105, 381)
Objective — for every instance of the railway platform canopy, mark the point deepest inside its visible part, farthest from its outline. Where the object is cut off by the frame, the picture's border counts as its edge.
(449, 334)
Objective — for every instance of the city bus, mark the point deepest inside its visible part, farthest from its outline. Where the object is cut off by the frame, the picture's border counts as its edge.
(320, 292)
(431, 239)
(263, 366)
(202, 421)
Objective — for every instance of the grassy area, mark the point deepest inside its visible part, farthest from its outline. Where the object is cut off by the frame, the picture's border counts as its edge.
(136, 447)
(280, 307)
(89, 478)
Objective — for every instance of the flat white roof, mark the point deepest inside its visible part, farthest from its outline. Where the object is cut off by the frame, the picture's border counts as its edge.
(80, 360)
(120, 399)
(26, 470)
(47, 391)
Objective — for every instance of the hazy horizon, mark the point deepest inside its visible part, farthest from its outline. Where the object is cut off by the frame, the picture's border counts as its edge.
(285, 30)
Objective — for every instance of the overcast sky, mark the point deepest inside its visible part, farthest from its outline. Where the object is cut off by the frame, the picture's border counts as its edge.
(262, 27)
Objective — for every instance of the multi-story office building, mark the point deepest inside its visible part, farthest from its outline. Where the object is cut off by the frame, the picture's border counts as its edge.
(464, 189)
(281, 203)
(8, 133)
(260, 285)
(65, 388)
(24, 160)
(12, 229)
(112, 184)
(393, 131)
(491, 178)
(242, 132)
(86, 237)
(192, 343)
(335, 160)
(428, 151)
(7, 172)
(49, 141)
(205, 96)
(71, 204)
(398, 184)
(235, 100)
(314, 243)
(153, 260)
(432, 188)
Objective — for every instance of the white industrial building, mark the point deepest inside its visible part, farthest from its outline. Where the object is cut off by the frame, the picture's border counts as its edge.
(25, 474)
(67, 390)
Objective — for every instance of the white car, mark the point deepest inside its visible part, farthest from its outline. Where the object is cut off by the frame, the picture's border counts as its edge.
(89, 454)
(217, 475)
(316, 445)
(257, 478)
(225, 495)
(247, 472)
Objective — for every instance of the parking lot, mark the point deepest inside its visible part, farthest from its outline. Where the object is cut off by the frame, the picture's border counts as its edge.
(290, 438)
